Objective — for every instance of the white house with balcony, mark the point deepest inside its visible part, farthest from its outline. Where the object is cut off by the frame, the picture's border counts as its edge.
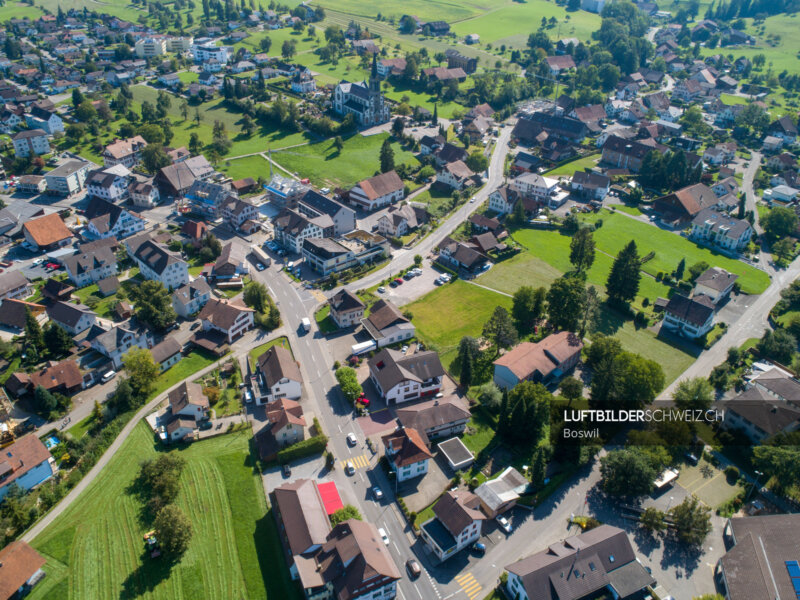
(456, 525)
(401, 378)
(407, 453)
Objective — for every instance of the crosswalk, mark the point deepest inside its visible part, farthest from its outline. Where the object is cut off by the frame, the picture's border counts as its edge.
(359, 462)
(469, 585)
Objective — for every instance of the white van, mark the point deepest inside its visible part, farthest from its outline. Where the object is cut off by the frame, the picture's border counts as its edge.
(306, 324)
(108, 376)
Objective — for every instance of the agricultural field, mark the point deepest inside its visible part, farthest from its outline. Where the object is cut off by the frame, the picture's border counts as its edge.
(326, 166)
(95, 549)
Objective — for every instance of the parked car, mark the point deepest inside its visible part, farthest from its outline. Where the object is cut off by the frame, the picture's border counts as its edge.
(413, 568)
(381, 290)
(504, 524)
(383, 535)
(479, 547)
(377, 493)
(259, 267)
(351, 439)
(287, 471)
(206, 425)
(108, 376)
(398, 281)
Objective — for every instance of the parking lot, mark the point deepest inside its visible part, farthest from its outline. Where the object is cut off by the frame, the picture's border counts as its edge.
(413, 288)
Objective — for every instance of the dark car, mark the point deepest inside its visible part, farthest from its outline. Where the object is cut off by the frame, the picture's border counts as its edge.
(206, 425)
(287, 471)
(479, 547)
(413, 568)
(393, 284)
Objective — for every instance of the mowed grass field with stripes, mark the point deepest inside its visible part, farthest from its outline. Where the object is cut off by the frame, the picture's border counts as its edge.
(95, 548)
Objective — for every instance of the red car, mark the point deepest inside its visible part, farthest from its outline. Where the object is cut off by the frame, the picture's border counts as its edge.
(398, 281)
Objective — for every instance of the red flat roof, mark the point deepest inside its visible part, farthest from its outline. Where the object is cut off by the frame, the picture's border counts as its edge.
(330, 497)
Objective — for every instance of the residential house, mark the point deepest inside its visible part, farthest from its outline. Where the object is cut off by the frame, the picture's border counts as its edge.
(500, 494)
(303, 524)
(303, 82)
(684, 205)
(194, 230)
(9, 119)
(127, 152)
(31, 184)
(625, 154)
(231, 318)
(176, 179)
(312, 204)
(781, 194)
(25, 463)
(543, 361)
(56, 377)
(106, 219)
(378, 191)
(85, 268)
(407, 454)
(597, 562)
(457, 175)
(726, 186)
(715, 283)
(401, 219)
(20, 569)
(190, 298)
(430, 144)
(591, 186)
(442, 74)
(167, 353)
(188, 401)
(759, 415)
(238, 213)
(285, 426)
(30, 142)
(456, 524)
(782, 161)
(68, 178)
(156, 262)
(559, 64)
(292, 229)
(391, 66)
(400, 378)
(566, 128)
(761, 561)
(13, 285)
(783, 128)
(232, 262)
(144, 195)
(328, 255)
(387, 325)
(462, 256)
(718, 229)
(14, 313)
(279, 376)
(346, 309)
(40, 117)
(449, 153)
(503, 199)
(435, 419)
(691, 317)
(114, 343)
(687, 90)
(772, 143)
(364, 101)
(477, 129)
(482, 224)
(53, 289)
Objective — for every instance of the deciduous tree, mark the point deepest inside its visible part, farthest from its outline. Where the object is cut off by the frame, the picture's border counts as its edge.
(173, 530)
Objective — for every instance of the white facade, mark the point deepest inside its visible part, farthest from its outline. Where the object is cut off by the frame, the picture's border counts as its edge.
(204, 52)
(535, 186)
(244, 322)
(67, 182)
(145, 197)
(116, 191)
(31, 146)
(149, 47)
(690, 330)
(126, 225)
(51, 125)
(285, 388)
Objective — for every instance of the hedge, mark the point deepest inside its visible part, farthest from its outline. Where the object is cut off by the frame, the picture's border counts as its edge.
(314, 445)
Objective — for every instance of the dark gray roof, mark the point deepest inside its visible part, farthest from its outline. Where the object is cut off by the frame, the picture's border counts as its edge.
(325, 248)
(734, 228)
(439, 534)
(764, 411)
(755, 568)
(455, 451)
(152, 254)
(716, 279)
(345, 300)
(11, 280)
(321, 204)
(576, 567)
(384, 314)
(391, 367)
(67, 313)
(780, 384)
(629, 579)
(694, 310)
(278, 363)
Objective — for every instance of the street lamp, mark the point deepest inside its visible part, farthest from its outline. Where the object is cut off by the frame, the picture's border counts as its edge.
(671, 498)
(755, 483)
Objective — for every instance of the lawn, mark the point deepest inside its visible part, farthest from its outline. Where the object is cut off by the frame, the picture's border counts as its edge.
(618, 230)
(259, 350)
(325, 166)
(579, 164)
(249, 166)
(81, 427)
(95, 549)
(427, 10)
(708, 483)
(418, 96)
(324, 320)
(18, 10)
(437, 201)
(631, 210)
(467, 307)
(193, 362)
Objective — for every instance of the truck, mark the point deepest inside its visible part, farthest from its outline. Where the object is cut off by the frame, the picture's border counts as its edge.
(260, 256)
(306, 324)
(363, 347)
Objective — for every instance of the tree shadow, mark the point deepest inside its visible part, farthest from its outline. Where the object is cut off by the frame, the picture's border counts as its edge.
(147, 576)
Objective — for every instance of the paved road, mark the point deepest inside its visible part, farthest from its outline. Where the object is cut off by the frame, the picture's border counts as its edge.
(752, 324)
(747, 187)
(404, 258)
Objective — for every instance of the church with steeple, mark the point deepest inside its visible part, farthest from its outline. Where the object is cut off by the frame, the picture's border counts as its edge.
(364, 101)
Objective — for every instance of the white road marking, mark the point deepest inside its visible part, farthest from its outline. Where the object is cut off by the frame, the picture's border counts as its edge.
(396, 548)
(416, 588)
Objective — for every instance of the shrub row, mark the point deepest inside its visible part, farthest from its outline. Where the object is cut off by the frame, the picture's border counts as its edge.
(314, 445)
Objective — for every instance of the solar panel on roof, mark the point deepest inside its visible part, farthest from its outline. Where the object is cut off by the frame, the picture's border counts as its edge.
(794, 572)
